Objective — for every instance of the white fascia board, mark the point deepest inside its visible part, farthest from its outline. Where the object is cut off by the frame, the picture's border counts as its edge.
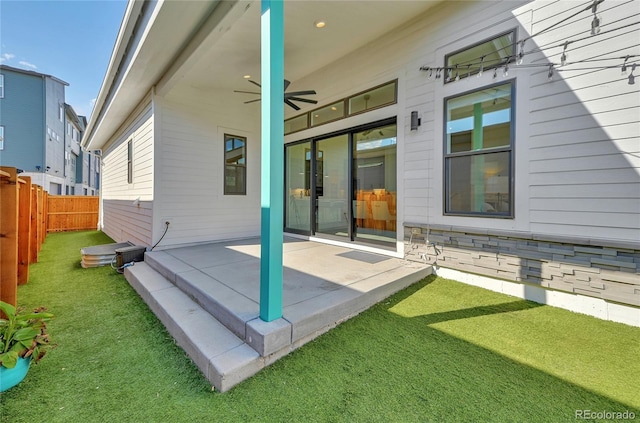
(155, 50)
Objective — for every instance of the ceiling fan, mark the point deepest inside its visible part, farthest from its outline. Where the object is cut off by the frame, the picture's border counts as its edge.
(289, 98)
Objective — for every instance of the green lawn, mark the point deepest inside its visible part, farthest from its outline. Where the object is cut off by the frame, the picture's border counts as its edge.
(438, 351)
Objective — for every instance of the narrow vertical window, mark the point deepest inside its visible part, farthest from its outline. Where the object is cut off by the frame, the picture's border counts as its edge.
(1, 137)
(235, 165)
(130, 162)
(61, 113)
(1, 86)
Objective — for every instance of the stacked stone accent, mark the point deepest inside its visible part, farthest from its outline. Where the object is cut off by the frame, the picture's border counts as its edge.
(597, 268)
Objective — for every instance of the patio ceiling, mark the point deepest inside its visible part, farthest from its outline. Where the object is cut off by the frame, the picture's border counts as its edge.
(349, 25)
(212, 45)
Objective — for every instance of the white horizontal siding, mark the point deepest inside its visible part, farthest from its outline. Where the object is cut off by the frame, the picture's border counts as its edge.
(122, 219)
(585, 131)
(191, 156)
(577, 137)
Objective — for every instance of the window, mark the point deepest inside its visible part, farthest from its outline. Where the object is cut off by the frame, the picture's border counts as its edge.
(479, 152)
(130, 162)
(1, 85)
(235, 165)
(373, 98)
(485, 55)
(61, 113)
(1, 137)
(329, 113)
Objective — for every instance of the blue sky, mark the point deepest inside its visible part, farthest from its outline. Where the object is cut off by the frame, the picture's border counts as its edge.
(71, 40)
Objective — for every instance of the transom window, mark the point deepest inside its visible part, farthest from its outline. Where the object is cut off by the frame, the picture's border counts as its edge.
(478, 152)
(485, 55)
(373, 98)
(235, 165)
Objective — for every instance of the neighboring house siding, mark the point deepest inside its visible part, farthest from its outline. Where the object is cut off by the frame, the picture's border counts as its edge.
(191, 156)
(55, 148)
(122, 219)
(22, 115)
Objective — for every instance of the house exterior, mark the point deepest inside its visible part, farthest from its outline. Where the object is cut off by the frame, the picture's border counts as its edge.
(497, 140)
(40, 132)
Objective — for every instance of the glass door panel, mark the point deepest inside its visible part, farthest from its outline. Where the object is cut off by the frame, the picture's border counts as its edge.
(331, 186)
(374, 184)
(298, 188)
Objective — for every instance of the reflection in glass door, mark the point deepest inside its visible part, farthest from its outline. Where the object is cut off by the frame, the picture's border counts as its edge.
(344, 186)
(298, 188)
(332, 186)
(374, 184)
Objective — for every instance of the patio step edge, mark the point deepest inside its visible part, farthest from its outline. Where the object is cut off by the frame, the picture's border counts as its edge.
(237, 312)
(224, 358)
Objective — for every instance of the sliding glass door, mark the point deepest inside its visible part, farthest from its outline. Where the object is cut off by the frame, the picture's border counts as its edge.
(375, 190)
(343, 186)
(298, 188)
(332, 189)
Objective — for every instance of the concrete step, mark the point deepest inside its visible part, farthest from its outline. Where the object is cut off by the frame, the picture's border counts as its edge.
(223, 357)
(226, 305)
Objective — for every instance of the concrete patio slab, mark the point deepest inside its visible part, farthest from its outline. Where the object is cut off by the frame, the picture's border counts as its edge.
(208, 297)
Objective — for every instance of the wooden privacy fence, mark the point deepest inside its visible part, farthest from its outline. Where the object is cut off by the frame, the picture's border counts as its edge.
(72, 213)
(23, 226)
(27, 213)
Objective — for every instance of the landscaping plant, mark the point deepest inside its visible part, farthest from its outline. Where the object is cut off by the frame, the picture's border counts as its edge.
(23, 334)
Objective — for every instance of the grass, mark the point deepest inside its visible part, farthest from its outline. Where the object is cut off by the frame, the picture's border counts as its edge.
(437, 351)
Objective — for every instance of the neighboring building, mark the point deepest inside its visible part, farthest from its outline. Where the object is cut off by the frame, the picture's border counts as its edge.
(497, 138)
(40, 133)
(83, 176)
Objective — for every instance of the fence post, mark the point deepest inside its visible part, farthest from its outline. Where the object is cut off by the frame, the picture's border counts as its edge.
(45, 215)
(41, 193)
(33, 237)
(24, 227)
(9, 235)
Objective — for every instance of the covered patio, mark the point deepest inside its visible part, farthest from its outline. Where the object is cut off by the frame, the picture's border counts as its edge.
(208, 298)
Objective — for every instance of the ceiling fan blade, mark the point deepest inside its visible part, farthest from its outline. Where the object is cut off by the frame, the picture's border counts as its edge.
(296, 93)
(293, 106)
(304, 100)
(286, 84)
(246, 92)
(251, 101)
(254, 83)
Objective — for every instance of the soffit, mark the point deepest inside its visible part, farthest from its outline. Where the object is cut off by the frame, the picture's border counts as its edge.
(349, 26)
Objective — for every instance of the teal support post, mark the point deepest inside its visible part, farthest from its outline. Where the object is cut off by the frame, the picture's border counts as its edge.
(272, 182)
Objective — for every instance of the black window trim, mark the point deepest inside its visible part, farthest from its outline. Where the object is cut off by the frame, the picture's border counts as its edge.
(224, 176)
(512, 58)
(511, 149)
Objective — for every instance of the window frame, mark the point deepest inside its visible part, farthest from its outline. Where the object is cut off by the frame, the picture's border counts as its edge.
(346, 112)
(226, 191)
(511, 58)
(130, 161)
(511, 149)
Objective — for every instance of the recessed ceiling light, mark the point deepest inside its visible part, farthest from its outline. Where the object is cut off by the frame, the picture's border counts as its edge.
(247, 76)
(334, 108)
(316, 116)
(320, 24)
